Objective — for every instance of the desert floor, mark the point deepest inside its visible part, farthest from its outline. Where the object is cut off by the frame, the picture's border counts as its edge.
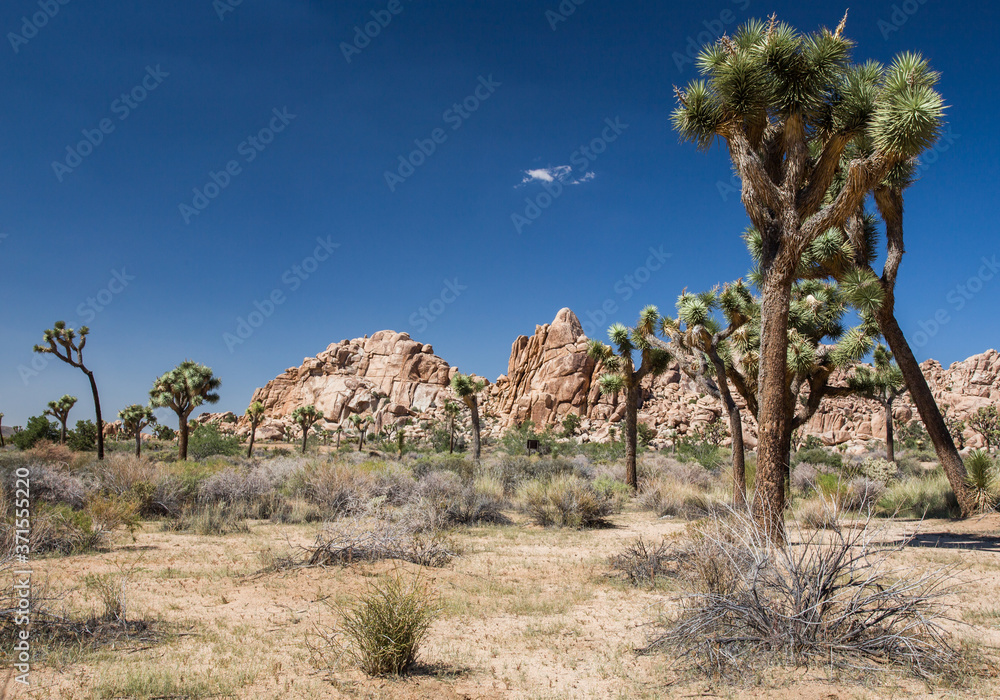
(526, 612)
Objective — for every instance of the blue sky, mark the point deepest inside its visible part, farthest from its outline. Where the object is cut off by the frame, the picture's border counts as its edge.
(171, 173)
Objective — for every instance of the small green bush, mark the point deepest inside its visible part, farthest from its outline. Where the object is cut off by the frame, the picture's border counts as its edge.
(386, 626)
(818, 456)
(207, 441)
(84, 437)
(37, 428)
(930, 496)
(565, 501)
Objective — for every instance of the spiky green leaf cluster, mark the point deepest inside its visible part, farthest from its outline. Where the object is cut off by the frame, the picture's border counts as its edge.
(184, 388)
(305, 416)
(135, 417)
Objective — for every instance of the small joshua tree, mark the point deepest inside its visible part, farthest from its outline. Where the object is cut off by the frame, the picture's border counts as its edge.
(62, 342)
(360, 424)
(622, 376)
(306, 416)
(467, 389)
(60, 411)
(134, 419)
(182, 390)
(254, 413)
(883, 383)
(986, 422)
(338, 431)
(451, 409)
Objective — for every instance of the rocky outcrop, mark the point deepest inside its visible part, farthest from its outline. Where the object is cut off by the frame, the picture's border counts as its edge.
(389, 373)
(550, 376)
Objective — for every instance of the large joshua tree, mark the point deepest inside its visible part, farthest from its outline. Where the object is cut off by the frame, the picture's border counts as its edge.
(65, 344)
(134, 419)
(467, 390)
(254, 413)
(622, 376)
(788, 106)
(182, 390)
(882, 383)
(60, 411)
(306, 417)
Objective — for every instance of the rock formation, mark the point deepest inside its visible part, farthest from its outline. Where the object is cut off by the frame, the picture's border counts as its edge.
(549, 376)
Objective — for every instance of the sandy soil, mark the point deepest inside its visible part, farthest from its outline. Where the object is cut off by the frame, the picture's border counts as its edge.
(526, 613)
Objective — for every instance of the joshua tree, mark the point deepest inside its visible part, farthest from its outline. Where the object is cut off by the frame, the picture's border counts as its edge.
(2, 444)
(306, 416)
(182, 390)
(338, 431)
(254, 413)
(884, 384)
(360, 424)
(789, 107)
(62, 342)
(986, 422)
(467, 389)
(60, 411)
(401, 436)
(621, 376)
(451, 409)
(134, 419)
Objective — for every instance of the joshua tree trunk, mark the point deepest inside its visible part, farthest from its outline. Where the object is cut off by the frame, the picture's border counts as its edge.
(253, 432)
(138, 442)
(631, 434)
(451, 435)
(338, 439)
(182, 437)
(890, 205)
(97, 413)
(890, 444)
(774, 420)
(62, 432)
(2, 444)
(476, 445)
(736, 429)
(305, 436)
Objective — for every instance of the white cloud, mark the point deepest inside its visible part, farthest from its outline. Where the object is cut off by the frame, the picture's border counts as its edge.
(562, 173)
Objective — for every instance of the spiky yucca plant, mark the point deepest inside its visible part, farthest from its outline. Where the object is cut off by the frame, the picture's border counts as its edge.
(60, 411)
(182, 390)
(789, 106)
(67, 345)
(983, 480)
(255, 414)
(134, 419)
(306, 417)
(621, 376)
(467, 389)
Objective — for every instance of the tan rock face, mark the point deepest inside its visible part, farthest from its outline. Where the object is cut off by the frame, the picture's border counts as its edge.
(550, 376)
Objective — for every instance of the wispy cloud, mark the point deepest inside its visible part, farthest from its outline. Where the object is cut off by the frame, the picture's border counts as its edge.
(561, 173)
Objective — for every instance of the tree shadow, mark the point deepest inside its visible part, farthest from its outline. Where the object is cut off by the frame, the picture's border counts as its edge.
(952, 540)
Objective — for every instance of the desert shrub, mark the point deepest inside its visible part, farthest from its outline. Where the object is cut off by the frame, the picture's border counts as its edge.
(614, 490)
(425, 464)
(514, 470)
(387, 624)
(342, 488)
(831, 598)
(36, 429)
(603, 452)
(252, 489)
(803, 477)
(361, 540)
(640, 563)
(515, 441)
(210, 519)
(929, 496)
(46, 452)
(659, 465)
(673, 499)
(84, 437)
(565, 501)
(913, 435)
(207, 441)
(54, 485)
(644, 435)
(818, 456)
(816, 513)
(61, 529)
(296, 511)
(442, 500)
(983, 479)
(875, 469)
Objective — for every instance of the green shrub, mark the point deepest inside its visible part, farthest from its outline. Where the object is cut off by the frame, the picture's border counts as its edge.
(818, 456)
(38, 428)
(930, 496)
(386, 626)
(565, 501)
(84, 437)
(983, 480)
(207, 441)
(876, 469)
